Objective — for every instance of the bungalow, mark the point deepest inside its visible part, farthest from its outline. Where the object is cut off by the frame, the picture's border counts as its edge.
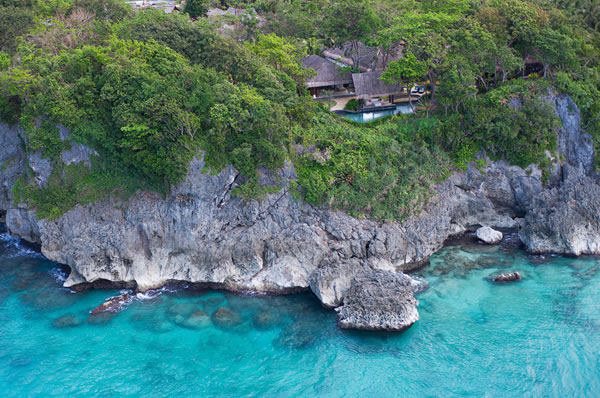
(369, 58)
(328, 75)
(369, 88)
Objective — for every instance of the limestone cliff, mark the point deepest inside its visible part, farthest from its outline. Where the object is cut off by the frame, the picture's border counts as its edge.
(200, 233)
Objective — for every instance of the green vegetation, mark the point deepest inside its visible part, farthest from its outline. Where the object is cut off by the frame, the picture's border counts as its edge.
(196, 8)
(351, 105)
(148, 90)
(384, 172)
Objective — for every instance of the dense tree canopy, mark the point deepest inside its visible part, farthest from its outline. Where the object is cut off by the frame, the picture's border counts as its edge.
(149, 90)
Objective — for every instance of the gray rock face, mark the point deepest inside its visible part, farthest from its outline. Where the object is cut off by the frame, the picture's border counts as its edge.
(78, 153)
(379, 300)
(41, 167)
(12, 164)
(489, 235)
(576, 145)
(201, 234)
(565, 220)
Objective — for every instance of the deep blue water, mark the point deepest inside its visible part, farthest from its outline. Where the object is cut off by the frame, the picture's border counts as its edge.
(365, 117)
(536, 338)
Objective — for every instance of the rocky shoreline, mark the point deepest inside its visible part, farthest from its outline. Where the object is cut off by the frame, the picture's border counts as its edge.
(203, 235)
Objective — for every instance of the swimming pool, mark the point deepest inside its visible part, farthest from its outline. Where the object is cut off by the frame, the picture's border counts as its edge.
(369, 116)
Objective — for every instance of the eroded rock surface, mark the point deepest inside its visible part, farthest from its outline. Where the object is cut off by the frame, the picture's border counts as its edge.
(565, 220)
(12, 164)
(379, 300)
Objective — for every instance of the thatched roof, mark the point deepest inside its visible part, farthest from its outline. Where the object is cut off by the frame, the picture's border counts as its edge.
(369, 84)
(328, 73)
(370, 57)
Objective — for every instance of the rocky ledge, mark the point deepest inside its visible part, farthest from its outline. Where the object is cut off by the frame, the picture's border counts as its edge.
(201, 233)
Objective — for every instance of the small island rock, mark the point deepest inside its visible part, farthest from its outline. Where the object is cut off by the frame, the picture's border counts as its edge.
(379, 300)
(506, 277)
(113, 304)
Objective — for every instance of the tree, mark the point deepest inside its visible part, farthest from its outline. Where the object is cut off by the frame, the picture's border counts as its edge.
(507, 61)
(425, 37)
(283, 55)
(475, 44)
(407, 69)
(351, 21)
(554, 48)
(196, 8)
(14, 22)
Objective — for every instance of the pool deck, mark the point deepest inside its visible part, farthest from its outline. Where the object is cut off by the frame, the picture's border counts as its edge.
(340, 103)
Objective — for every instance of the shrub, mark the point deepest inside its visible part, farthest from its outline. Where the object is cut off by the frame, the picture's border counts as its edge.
(351, 105)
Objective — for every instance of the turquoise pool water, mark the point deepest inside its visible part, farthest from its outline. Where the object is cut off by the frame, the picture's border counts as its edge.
(365, 117)
(536, 338)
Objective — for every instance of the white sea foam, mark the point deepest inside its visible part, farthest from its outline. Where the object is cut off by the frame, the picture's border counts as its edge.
(14, 248)
(58, 274)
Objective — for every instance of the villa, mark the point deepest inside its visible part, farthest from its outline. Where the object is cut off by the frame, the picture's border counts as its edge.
(330, 77)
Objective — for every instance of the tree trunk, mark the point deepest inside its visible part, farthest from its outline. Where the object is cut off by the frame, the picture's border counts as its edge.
(412, 107)
(432, 78)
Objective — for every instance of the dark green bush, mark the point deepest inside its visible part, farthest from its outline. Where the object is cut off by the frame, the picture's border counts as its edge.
(351, 105)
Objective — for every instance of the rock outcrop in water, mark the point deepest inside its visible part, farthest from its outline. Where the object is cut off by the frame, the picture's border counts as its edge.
(504, 277)
(113, 304)
(379, 300)
(200, 233)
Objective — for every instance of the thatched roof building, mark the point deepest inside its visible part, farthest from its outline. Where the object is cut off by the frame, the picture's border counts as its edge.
(369, 85)
(328, 73)
(371, 58)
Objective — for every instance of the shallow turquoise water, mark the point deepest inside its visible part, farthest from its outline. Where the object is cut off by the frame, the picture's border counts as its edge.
(365, 117)
(539, 337)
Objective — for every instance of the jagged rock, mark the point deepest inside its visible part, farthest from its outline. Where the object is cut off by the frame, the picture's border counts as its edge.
(330, 282)
(574, 144)
(12, 163)
(489, 235)
(199, 233)
(565, 220)
(113, 304)
(41, 167)
(379, 300)
(505, 277)
(24, 224)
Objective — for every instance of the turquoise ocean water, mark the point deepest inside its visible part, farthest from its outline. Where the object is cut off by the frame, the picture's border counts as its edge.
(536, 338)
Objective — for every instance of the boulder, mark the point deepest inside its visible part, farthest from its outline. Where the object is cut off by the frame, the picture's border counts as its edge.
(379, 300)
(489, 235)
(505, 277)
(331, 281)
(113, 304)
